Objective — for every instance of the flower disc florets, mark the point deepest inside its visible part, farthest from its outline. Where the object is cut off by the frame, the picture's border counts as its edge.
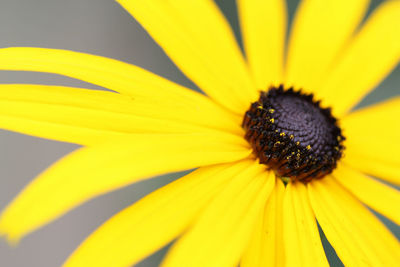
(293, 135)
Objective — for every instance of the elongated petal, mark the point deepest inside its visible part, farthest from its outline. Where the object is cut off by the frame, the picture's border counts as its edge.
(80, 116)
(263, 25)
(93, 171)
(301, 236)
(199, 40)
(88, 117)
(380, 197)
(320, 30)
(372, 144)
(223, 230)
(154, 221)
(357, 236)
(369, 58)
(266, 247)
(108, 73)
(59, 132)
(388, 171)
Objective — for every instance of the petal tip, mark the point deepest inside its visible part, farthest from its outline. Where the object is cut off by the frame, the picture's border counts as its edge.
(9, 232)
(11, 238)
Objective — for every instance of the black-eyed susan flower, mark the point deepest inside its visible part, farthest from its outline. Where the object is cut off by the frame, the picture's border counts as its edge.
(268, 140)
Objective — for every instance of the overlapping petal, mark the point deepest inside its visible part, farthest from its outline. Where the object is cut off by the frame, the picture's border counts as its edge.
(155, 220)
(223, 230)
(302, 242)
(372, 144)
(263, 26)
(357, 236)
(266, 247)
(372, 54)
(320, 30)
(382, 198)
(85, 116)
(89, 117)
(197, 37)
(93, 171)
(108, 73)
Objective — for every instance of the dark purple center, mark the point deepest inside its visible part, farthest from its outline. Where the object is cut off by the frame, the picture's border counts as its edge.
(293, 135)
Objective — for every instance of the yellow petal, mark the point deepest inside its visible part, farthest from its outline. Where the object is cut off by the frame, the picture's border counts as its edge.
(320, 30)
(372, 144)
(303, 245)
(197, 37)
(267, 246)
(93, 171)
(357, 236)
(85, 116)
(223, 230)
(388, 171)
(382, 198)
(151, 223)
(263, 25)
(111, 74)
(59, 132)
(369, 58)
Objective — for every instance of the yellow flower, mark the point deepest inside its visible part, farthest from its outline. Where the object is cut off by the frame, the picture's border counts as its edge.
(231, 209)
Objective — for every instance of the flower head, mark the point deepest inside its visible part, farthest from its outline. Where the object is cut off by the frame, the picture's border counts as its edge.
(267, 139)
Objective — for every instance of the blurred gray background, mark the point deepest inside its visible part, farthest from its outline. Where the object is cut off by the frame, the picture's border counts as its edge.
(99, 27)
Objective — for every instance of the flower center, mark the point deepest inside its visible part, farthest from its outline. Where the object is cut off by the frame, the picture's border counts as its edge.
(293, 135)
